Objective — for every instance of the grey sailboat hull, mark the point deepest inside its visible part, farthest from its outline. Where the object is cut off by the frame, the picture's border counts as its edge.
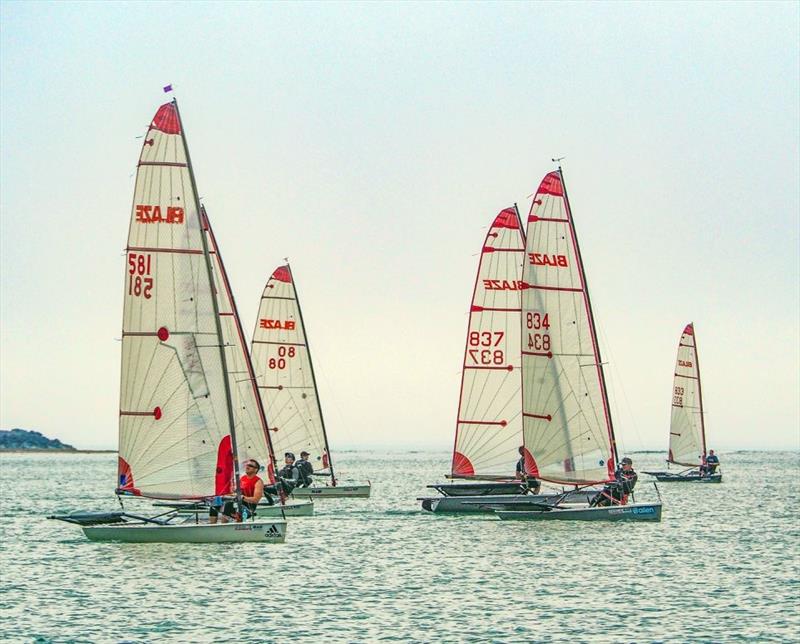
(489, 502)
(669, 477)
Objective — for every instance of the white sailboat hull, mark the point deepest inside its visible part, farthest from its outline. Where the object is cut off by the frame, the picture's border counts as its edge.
(291, 509)
(632, 512)
(334, 492)
(251, 531)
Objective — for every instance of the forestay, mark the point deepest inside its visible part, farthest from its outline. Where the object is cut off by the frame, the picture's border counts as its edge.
(285, 376)
(174, 429)
(568, 434)
(489, 424)
(250, 424)
(687, 438)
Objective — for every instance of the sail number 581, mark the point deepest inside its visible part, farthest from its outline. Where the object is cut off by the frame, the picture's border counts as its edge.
(138, 267)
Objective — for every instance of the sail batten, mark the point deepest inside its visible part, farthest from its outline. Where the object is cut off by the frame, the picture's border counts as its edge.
(568, 433)
(687, 443)
(489, 422)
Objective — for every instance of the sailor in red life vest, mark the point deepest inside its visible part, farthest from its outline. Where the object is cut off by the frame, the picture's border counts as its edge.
(252, 491)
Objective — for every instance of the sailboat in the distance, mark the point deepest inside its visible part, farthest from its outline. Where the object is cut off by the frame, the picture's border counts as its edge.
(288, 387)
(687, 428)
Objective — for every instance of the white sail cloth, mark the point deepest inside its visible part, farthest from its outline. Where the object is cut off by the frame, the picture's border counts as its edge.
(284, 374)
(568, 434)
(489, 425)
(174, 435)
(687, 441)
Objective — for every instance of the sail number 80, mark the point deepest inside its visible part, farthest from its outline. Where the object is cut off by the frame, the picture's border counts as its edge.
(283, 354)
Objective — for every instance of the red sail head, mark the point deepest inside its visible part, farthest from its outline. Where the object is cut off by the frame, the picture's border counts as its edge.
(282, 274)
(689, 330)
(166, 119)
(506, 219)
(551, 185)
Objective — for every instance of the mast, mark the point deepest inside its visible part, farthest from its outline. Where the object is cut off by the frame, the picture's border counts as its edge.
(313, 377)
(209, 269)
(699, 390)
(598, 360)
(238, 323)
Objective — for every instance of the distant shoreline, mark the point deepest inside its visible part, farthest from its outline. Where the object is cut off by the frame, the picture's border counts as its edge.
(58, 451)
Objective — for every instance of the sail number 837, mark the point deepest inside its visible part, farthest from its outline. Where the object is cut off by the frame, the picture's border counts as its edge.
(490, 355)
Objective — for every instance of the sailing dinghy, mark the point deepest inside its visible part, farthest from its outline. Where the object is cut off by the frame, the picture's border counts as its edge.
(687, 430)
(489, 422)
(568, 433)
(288, 388)
(181, 435)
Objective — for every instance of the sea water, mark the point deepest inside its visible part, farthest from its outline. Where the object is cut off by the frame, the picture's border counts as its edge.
(722, 566)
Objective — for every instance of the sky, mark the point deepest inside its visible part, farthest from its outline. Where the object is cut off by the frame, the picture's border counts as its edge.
(372, 144)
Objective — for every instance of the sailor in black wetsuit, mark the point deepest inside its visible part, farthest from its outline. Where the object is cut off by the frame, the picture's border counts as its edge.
(710, 465)
(305, 468)
(616, 492)
(533, 484)
(288, 476)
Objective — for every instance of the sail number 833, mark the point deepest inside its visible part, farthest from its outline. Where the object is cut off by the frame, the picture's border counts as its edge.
(139, 284)
(538, 325)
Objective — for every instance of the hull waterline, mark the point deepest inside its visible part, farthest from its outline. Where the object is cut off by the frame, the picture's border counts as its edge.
(480, 503)
(633, 512)
(333, 492)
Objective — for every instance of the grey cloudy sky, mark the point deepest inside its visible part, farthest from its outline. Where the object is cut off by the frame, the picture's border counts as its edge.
(372, 144)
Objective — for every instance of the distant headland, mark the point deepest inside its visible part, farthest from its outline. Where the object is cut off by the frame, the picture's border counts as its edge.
(23, 439)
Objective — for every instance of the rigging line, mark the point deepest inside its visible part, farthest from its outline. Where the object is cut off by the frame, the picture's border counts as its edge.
(618, 377)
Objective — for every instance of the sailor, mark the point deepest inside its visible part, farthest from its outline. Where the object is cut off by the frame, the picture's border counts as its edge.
(289, 475)
(533, 484)
(305, 468)
(710, 465)
(616, 492)
(252, 488)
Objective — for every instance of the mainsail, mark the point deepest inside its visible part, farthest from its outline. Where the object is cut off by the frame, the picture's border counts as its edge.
(489, 423)
(285, 374)
(250, 423)
(568, 435)
(687, 435)
(175, 422)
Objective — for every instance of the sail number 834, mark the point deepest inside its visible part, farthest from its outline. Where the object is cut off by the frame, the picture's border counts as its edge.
(536, 321)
